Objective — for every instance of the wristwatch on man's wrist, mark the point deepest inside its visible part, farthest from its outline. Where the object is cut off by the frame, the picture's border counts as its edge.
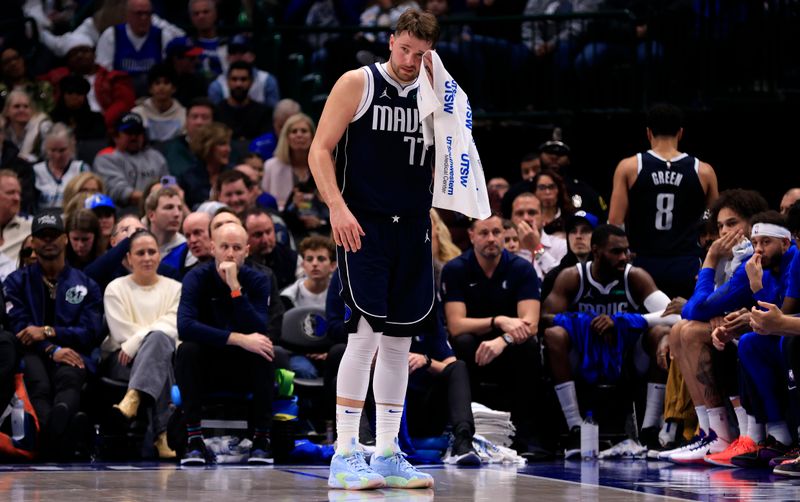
(49, 332)
(508, 339)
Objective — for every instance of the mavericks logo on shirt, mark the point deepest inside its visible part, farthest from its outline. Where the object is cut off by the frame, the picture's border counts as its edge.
(76, 294)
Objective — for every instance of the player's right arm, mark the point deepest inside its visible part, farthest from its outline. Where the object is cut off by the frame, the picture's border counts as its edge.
(618, 210)
(708, 178)
(563, 292)
(340, 108)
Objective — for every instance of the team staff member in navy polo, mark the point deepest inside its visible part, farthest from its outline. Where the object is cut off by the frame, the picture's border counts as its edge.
(491, 301)
(56, 313)
(222, 322)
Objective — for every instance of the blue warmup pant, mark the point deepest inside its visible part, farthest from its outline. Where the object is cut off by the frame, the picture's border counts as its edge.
(761, 359)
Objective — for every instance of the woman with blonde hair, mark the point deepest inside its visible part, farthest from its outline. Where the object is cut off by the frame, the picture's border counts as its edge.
(85, 182)
(212, 146)
(442, 246)
(289, 164)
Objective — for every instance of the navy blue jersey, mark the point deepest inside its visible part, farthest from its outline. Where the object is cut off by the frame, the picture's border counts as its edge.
(612, 298)
(666, 205)
(382, 165)
(132, 60)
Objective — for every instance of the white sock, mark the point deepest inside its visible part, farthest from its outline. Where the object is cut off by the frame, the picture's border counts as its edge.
(387, 425)
(780, 431)
(654, 408)
(718, 422)
(755, 430)
(568, 398)
(668, 433)
(389, 386)
(348, 420)
(702, 417)
(352, 383)
(741, 418)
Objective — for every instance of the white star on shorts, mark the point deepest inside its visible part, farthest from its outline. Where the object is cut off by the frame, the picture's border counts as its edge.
(395, 219)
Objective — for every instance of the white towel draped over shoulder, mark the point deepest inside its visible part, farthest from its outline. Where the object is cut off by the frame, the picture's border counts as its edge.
(446, 118)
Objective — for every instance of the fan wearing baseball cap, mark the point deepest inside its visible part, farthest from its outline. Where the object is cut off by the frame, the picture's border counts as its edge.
(106, 211)
(55, 311)
(579, 227)
(131, 166)
(183, 56)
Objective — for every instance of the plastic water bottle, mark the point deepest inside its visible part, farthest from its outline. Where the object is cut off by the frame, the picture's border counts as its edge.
(17, 420)
(590, 438)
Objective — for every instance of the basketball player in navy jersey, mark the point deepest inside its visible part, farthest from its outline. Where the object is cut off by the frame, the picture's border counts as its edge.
(660, 196)
(607, 290)
(372, 170)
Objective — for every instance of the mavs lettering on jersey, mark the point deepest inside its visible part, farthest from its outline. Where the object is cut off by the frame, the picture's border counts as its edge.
(667, 202)
(395, 119)
(382, 165)
(608, 299)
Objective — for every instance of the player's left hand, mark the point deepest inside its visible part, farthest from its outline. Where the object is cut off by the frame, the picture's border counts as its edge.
(766, 322)
(601, 323)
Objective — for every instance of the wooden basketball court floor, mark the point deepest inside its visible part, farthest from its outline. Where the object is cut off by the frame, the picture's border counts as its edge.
(557, 481)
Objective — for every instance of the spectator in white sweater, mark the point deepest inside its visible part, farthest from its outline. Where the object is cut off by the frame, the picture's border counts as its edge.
(164, 117)
(141, 310)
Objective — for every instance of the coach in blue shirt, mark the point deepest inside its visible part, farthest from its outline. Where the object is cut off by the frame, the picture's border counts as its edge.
(491, 301)
(222, 322)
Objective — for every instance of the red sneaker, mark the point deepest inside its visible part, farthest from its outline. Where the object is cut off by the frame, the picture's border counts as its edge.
(740, 446)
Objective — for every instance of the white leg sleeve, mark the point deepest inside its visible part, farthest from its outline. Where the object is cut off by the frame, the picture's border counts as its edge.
(391, 370)
(353, 378)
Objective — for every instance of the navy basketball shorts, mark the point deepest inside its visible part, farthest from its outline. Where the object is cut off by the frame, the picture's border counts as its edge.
(389, 281)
